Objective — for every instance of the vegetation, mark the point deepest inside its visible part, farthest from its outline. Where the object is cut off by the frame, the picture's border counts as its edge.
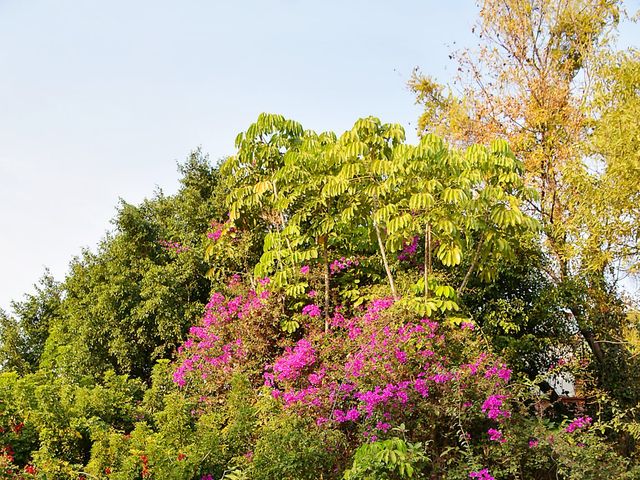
(353, 306)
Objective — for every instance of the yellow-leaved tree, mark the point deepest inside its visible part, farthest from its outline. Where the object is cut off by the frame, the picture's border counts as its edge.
(545, 76)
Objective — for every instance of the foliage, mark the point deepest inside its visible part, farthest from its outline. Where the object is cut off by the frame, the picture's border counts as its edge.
(128, 305)
(353, 306)
(23, 335)
(547, 78)
(385, 459)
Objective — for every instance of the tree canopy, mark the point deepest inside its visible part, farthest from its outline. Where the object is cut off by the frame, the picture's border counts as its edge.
(351, 305)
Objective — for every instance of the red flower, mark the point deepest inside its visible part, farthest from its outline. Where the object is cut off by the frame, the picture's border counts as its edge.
(30, 469)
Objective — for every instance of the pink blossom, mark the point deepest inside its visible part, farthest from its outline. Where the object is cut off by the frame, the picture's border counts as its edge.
(175, 247)
(481, 475)
(421, 387)
(441, 377)
(401, 356)
(500, 371)
(342, 264)
(352, 415)
(215, 235)
(578, 423)
(496, 435)
(316, 377)
(289, 366)
(409, 249)
(312, 310)
(383, 426)
(321, 421)
(304, 269)
(492, 406)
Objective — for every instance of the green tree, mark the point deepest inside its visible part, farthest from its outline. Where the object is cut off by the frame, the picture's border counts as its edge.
(129, 304)
(23, 334)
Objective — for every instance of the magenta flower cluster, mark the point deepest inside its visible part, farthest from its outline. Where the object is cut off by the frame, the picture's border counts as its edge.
(481, 475)
(493, 407)
(217, 230)
(342, 264)
(212, 346)
(312, 310)
(496, 435)
(409, 249)
(385, 372)
(578, 424)
(290, 365)
(376, 367)
(175, 247)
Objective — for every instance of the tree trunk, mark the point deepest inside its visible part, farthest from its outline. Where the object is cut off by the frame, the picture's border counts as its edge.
(427, 259)
(383, 253)
(472, 267)
(327, 284)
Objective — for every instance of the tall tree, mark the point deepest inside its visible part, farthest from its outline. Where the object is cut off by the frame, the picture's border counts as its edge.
(128, 304)
(531, 81)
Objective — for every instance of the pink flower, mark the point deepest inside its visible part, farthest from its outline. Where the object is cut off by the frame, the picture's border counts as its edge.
(492, 406)
(289, 366)
(481, 475)
(409, 249)
(578, 423)
(383, 426)
(215, 236)
(312, 294)
(321, 421)
(533, 443)
(504, 374)
(496, 435)
(312, 310)
(304, 269)
(421, 387)
(264, 281)
(401, 356)
(352, 415)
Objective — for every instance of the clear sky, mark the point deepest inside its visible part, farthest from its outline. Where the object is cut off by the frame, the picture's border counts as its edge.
(100, 99)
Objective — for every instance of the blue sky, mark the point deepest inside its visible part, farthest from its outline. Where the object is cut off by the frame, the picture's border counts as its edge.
(100, 99)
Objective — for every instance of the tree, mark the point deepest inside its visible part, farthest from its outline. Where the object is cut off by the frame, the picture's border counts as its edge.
(127, 305)
(532, 81)
(23, 334)
(612, 195)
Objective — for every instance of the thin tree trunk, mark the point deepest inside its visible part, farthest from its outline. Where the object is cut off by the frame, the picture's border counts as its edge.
(588, 336)
(327, 285)
(383, 253)
(472, 267)
(594, 345)
(427, 259)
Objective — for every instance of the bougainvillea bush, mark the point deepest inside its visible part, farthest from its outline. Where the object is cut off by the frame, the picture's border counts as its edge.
(381, 374)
